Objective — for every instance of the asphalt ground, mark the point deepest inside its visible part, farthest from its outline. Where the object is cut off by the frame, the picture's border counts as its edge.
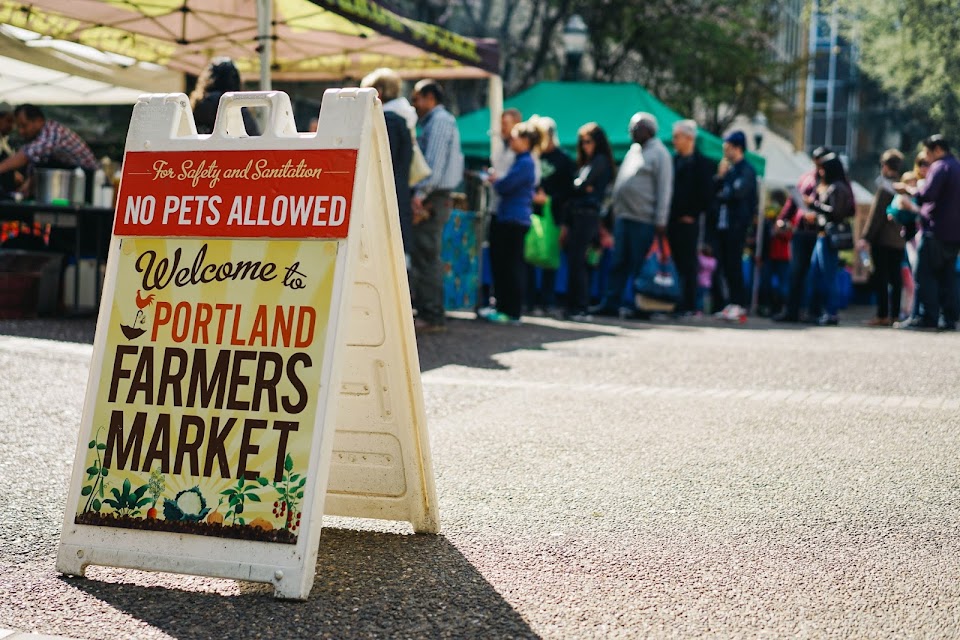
(607, 480)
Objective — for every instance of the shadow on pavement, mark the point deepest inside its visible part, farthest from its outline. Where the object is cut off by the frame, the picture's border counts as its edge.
(368, 585)
(473, 343)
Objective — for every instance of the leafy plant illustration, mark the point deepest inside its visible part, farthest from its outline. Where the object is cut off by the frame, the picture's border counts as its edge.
(189, 505)
(290, 489)
(129, 501)
(156, 486)
(96, 490)
(239, 494)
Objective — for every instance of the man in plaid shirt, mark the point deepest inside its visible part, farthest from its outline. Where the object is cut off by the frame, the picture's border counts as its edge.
(49, 144)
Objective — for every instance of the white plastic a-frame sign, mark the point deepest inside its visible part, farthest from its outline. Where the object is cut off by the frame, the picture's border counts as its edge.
(255, 361)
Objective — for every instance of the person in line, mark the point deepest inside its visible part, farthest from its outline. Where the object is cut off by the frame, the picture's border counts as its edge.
(10, 180)
(882, 236)
(939, 198)
(500, 161)
(833, 204)
(736, 188)
(398, 116)
(432, 202)
(557, 170)
(509, 228)
(581, 224)
(803, 237)
(642, 195)
(49, 144)
(216, 79)
(692, 199)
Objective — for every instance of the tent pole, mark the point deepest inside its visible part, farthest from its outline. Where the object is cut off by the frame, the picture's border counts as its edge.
(495, 103)
(264, 26)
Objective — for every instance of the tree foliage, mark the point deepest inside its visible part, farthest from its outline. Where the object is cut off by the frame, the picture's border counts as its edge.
(911, 48)
(709, 57)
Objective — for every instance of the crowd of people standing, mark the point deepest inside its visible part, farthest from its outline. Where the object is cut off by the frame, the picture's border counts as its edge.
(706, 212)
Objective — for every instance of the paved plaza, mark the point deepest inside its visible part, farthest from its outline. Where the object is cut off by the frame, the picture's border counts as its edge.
(607, 480)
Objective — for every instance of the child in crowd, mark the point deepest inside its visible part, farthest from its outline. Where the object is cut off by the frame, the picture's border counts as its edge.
(707, 264)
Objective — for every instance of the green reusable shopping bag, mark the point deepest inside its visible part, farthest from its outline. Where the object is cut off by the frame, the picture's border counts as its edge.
(541, 246)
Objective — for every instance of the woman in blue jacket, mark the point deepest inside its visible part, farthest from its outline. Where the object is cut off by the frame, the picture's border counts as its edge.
(508, 229)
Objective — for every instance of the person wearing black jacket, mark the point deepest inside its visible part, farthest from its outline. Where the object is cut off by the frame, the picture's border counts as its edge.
(595, 172)
(692, 199)
(832, 205)
(736, 185)
(557, 171)
(882, 234)
(803, 237)
(217, 78)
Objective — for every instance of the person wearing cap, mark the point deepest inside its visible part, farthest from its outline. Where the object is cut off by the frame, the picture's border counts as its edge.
(803, 236)
(10, 180)
(736, 185)
(692, 199)
(49, 144)
(642, 194)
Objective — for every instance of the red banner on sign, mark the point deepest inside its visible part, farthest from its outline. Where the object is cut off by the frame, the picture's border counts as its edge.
(237, 194)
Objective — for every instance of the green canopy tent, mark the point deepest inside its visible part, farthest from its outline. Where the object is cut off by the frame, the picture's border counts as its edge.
(573, 104)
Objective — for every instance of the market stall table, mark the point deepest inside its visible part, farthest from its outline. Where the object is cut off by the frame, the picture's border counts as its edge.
(79, 231)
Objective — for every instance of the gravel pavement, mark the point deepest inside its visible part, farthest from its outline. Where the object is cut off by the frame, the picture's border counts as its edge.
(608, 480)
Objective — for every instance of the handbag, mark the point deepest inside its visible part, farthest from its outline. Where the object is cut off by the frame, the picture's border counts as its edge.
(419, 169)
(657, 287)
(541, 245)
(839, 235)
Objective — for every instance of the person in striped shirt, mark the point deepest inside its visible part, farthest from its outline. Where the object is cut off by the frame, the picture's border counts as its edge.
(48, 144)
(440, 142)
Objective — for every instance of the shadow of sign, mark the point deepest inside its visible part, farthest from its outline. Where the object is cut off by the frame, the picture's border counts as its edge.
(368, 585)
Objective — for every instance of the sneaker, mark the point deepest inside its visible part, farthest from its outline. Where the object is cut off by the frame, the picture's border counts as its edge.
(603, 310)
(914, 324)
(580, 317)
(484, 312)
(422, 326)
(498, 317)
(733, 312)
(826, 320)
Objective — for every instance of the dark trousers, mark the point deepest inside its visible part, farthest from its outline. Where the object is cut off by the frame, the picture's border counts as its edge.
(632, 240)
(887, 280)
(801, 252)
(426, 268)
(729, 252)
(544, 295)
(683, 243)
(582, 228)
(508, 266)
(936, 278)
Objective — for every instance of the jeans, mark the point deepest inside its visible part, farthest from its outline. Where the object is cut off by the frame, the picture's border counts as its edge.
(683, 243)
(632, 240)
(801, 252)
(823, 272)
(728, 247)
(509, 267)
(773, 295)
(888, 280)
(544, 295)
(936, 277)
(427, 270)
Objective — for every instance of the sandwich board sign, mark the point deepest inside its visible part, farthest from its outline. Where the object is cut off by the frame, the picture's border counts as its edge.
(255, 364)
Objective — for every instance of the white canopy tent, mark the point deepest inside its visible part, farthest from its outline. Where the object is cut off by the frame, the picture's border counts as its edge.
(785, 164)
(58, 72)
